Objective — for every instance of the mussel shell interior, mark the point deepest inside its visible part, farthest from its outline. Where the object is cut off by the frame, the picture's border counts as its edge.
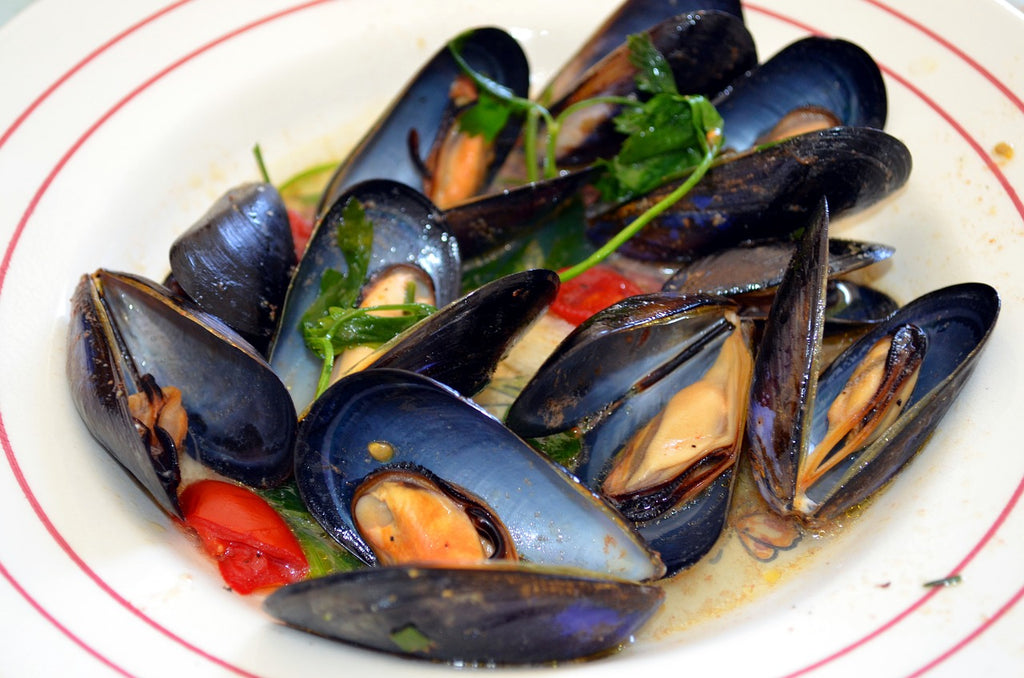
(958, 321)
(241, 422)
(552, 518)
(485, 616)
(407, 230)
(384, 151)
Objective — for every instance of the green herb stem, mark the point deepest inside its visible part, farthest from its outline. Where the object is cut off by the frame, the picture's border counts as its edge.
(258, 153)
(634, 226)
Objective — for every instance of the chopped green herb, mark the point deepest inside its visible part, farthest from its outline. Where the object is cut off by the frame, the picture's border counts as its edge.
(655, 76)
(487, 117)
(668, 137)
(333, 322)
(564, 447)
(323, 553)
(258, 154)
(411, 639)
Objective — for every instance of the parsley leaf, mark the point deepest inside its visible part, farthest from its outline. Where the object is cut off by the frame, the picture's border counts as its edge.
(665, 137)
(333, 322)
(355, 240)
(486, 117)
(655, 76)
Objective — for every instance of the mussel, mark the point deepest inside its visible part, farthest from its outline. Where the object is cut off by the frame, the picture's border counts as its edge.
(655, 388)
(409, 235)
(236, 261)
(705, 50)
(425, 106)
(632, 16)
(750, 272)
(153, 375)
(820, 445)
(810, 84)
(381, 417)
(472, 616)
(767, 192)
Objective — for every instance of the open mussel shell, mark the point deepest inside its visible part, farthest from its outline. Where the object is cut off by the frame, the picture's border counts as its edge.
(601, 361)
(705, 51)
(237, 259)
(767, 192)
(408, 230)
(621, 370)
(461, 344)
(632, 16)
(813, 79)
(482, 616)
(552, 518)
(790, 404)
(127, 334)
(422, 107)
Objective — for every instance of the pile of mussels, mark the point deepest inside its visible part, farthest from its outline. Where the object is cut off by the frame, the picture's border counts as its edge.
(661, 390)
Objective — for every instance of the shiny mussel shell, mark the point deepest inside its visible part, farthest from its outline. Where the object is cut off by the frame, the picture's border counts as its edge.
(461, 344)
(812, 79)
(486, 616)
(127, 335)
(553, 520)
(630, 377)
(408, 230)
(706, 51)
(768, 192)
(422, 107)
(750, 272)
(237, 260)
(790, 404)
(632, 16)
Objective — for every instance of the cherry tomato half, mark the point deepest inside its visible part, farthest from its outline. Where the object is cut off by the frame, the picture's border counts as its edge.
(253, 546)
(595, 289)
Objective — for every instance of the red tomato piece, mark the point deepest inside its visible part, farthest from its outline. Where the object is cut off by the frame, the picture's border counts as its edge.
(595, 289)
(253, 546)
(302, 227)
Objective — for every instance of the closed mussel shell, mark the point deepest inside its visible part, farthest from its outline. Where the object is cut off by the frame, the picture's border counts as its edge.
(237, 259)
(487, 616)
(767, 192)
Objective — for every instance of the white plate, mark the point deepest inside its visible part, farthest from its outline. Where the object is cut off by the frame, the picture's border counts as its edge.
(124, 119)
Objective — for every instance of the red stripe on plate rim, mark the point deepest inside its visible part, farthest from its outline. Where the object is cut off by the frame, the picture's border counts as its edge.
(9, 252)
